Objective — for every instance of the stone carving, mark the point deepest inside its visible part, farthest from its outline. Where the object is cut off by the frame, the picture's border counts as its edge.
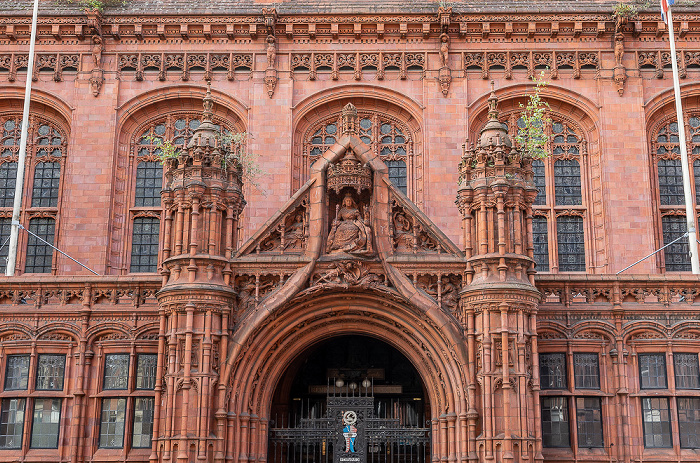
(619, 72)
(289, 235)
(252, 290)
(348, 274)
(271, 52)
(443, 289)
(350, 232)
(408, 235)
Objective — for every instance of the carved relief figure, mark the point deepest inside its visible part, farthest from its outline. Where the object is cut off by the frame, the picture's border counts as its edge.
(444, 50)
(450, 294)
(271, 52)
(351, 231)
(97, 48)
(619, 49)
(403, 235)
(294, 235)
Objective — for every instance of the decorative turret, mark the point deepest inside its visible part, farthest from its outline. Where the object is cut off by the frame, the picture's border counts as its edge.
(499, 300)
(202, 198)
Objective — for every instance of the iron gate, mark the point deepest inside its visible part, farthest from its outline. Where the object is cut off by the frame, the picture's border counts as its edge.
(351, 429)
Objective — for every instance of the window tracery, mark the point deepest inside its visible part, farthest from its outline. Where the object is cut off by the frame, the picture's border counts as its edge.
(46, 152)
(387, 136)
(667, 177)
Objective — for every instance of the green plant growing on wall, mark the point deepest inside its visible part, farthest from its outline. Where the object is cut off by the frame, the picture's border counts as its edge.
(236, 145)
(624, 11)
(98, 5)
(532, 136)
(164, 148)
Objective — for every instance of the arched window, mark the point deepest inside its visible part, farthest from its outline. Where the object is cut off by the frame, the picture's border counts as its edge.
(391, 132)
(46, 152)
(560, 209)
(147, 180)
(667, 172)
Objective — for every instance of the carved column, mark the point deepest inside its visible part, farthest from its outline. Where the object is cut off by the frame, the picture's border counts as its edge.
(499, 301)
(203, 196)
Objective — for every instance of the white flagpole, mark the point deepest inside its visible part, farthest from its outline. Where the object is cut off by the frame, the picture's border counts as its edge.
(689, 212)
(19, 183)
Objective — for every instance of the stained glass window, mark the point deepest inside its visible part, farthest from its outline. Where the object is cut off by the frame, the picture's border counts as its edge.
(589, 422)
(40, 254)
(540, 240)
(17, 372)
(657, 423)
(689, 421)
(149, 180)
(116, 371)
(586, 371)
(555, 422)
(50, 371)
(652, 371)
(687, 372)
(570, 243)
(11, 423)
(112, 423)
(143, 422)
(553, 371)
(146, 371)
(676, 255)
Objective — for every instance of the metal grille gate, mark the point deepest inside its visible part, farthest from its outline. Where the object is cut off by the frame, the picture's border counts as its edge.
(349, 432)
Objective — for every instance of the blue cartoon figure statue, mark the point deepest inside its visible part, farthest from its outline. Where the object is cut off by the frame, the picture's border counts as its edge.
(349, 431)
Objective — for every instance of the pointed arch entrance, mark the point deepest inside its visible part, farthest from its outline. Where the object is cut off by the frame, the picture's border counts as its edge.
(429, 343)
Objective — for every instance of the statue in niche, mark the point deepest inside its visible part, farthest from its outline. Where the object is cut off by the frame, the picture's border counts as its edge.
(351, 232)
(97, 47)
(444, 50)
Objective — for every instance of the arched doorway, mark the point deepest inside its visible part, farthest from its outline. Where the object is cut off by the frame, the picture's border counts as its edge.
(346, 399)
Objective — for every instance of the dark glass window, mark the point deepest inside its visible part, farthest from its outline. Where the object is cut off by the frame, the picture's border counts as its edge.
(146, 371)
(143, 422)
(149, 181)
(144, 245)
(553, 371)
(652, 371)
(657, 424)
(45, 425)
(17, 372)
(687, 372)
(555, 422)
(570, 245)
(538, 169)
(589, 422)
(586, 371)
(540, 239)
(11, 423)
(397, 174)
(676, 255)
(50, 371)
(116, 371)
(47, 176)
(112, 423)
(689, 421)
(5, 229)
(696, 173)
(670, 182)
(8, 177)
(40, 255)
(567, 182)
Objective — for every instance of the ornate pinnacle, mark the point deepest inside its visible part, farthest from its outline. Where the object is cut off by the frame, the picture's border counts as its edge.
(208, 103)
(493, 104)
(349, 119)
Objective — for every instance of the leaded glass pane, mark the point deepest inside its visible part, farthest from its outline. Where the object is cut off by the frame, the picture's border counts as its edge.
(17, 373)
(540, 240)
(589, 422)
(116, 371)
(553, 371)
(144, 245)
(112, 423)
(397, 174)
(5, 228)
(45, 425)
(686, 370)
(696, 174)
(555, 422)
(39, 254)
(567, 182)
(49, 372)
(657, 423)
(689, 421)
(670, 182)
(676, 255)
(570, 244)
(149, 181)
(8, 178)
(47, 176)
(586, 372)
(652, 371)
(146, 371)
(11, 423)
(143, 422)
(538, 170)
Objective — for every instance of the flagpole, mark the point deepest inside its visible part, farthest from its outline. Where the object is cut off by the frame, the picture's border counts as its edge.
(689, 212)
(19, 183)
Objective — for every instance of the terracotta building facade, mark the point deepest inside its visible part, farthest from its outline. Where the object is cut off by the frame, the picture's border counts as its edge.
(399, 282)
